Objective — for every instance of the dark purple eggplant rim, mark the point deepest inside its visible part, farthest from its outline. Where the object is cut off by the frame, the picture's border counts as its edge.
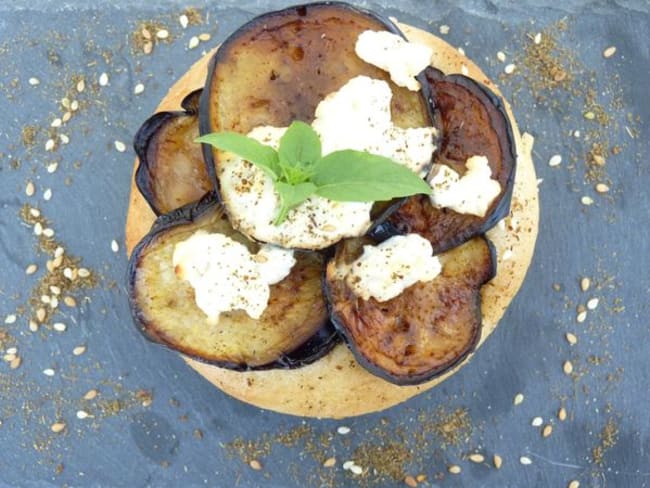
(313, 349)
(339, 324)
(387, 229)
(204, 103)
(144, 136)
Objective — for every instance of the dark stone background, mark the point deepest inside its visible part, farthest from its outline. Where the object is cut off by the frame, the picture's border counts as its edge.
(159, 445)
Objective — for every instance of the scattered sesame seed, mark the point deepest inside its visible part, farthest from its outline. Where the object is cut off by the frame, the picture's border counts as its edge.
(34, 81)
(537, 421)
(79, 350)
(49, 145)
(576, 133)
(90, 394)
(501, 56)
(31, 269)
(571, 338)
(12, 350)
(444, 29)
(34, 212)
(48, 232)
(15, 362)
(602, 188)
(38, 228)
(74, 105)
(69, 301)
(162, 34)
(10, 319)
(547, 430)
(356, 469)
(66, 116)
(538, 38)
(461, 51)
(120, 146)
(574, 484)
(47, 194)
(33, 326)
(567, 367)
(194, 41)
(55, 290)
(115, 247)
(59, 326)
(519, 397)
(147, 47)
(52, 167)
(30, 189)
(48, 372)
(587, 200)
(204, 37)
(139, 88)
(561, 414)
(103, 79)
(525, 460)
(81, 85)
(464, 70)
(347, 465)
(343, 430)
(255, 464)
(609, 52)
(585, 283)
(145, 33)
(454, 469)
(65, 101)
(410, 481)
(329, 462)
(183, 20)
(581, 317)
(476, 458)
(64, 138)
(555, 160)
(40, 314)
(509, 69)
(498, 461)
(58, 427)
(54, 302)
(82, 414)
(590, 115)
(83, 273)
(592, 303)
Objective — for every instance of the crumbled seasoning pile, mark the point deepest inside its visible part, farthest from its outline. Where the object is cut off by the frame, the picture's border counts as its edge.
(148, 34)
(608, 439)
(450, 427)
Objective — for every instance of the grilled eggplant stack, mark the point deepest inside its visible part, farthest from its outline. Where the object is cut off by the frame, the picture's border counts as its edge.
(274, 70)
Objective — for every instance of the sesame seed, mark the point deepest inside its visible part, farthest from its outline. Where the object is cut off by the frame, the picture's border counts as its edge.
(47, 194)
(54, 302)
(162, 34)
(194, 41)
(547, 430)
(48, 232)
(497, 461)
(525, 460)
(48, 372)
(501, 56)
(461, 51)
(343, 430)
(33, 326)
(329, 462)
(145, 33)
(538, 38)
(609, 52)
(34, 81)
(581, 317)
(592, 303)
(410, 481)
(9, 357)
(589, 115)
(90, 394)
(79, 350)
(464, 70)
(574, 484)
(81, 85)
(40, 314)
(602, 188)
(69, 301)
(30, 189)
(519, 397)
(571, 338)
(454, 469)
(64, 138)
(59, 326)
(66, 116)
(204, 37)
(55, 290)
(444, 29)
(83, 273)
(356, 469)
(74, 105)
(103, 79)
(38, 228)
(183, 20)
(31, 269)
(587, 200)
(537, 421)
(34, 212)
(147, 47)
(10, 319)
(567, 367)
(15, 362)
(561, 414)
(49, 145)
(255, 464)
(347, 465)
(65, 101)
(52, 167)
(509, 69)
(12, 351)
(476, 458)
(58, 427)
(555, 160)
(139, 88)
(82, 414)
(120, 146)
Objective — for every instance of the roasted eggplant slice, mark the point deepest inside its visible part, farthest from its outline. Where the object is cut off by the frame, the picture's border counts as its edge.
(278, 67)
(427, 329)
(474, 122)
(171, 172)
(294, 329)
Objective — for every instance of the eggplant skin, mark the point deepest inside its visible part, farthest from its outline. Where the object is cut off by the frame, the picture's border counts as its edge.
(474, 122)
(171, 172)
(425, 331)
(277, 68)
(294, 331)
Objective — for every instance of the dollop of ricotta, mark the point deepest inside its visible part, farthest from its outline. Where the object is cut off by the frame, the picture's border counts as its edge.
(403, 60)
(355, 117)
(226, 276)
(386, 270)
(471, 193)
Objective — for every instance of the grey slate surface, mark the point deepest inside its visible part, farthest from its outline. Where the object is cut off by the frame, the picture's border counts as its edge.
(156, 446)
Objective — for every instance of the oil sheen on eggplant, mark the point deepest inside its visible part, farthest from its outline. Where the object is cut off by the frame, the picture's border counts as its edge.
(422, 332)
(279, 66)
(171, 172)
(293, 331)
(474, 122)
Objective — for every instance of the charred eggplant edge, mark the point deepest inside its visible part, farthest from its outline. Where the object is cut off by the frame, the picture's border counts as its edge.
(142, 139)
(316, 347)
(429, 375)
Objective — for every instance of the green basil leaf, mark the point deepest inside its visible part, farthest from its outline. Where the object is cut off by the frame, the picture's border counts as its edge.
(291, 196)
(355, 176)
(249, 149)
(299, 146)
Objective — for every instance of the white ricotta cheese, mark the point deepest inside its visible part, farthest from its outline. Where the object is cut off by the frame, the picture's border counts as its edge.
(226, 276)
(386, 270)
(390, 52)
(355, 117)
(471, 193)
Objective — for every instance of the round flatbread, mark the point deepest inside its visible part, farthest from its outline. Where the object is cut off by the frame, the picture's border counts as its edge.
(337, 386)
